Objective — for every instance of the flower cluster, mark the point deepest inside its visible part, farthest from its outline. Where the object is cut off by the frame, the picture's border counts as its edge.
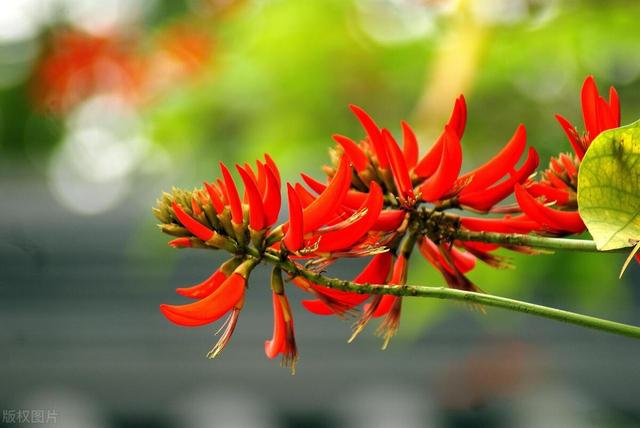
(381, 200)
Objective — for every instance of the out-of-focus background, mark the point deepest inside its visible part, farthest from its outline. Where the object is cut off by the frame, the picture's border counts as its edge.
(104, 104)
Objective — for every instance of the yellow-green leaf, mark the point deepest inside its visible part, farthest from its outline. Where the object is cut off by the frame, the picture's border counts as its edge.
(609, 188)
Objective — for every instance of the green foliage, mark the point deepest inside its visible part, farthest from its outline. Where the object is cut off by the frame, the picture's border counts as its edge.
(609, 188)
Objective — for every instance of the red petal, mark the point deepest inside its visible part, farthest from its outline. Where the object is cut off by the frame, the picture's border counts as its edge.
(318, 307)
(445, 176)
(272, 197)
(373, 132)
(484, 200)
(551, 194)
(204, 288)
(274, 168)
(256, 210)
(354, 230)
(398, 277)
(376, 272)
(323, 208)
(356, 155)
(560, 221)
(458, 119)
(293, 239)
(262, 177)
(215, 198)
(498, 166)
(389, 220)
(398, 166)
(223, 191)
(457, 122)
(614, 106)
(409, 145)
(430, 162)
(306, 198)
(572, 135)
(232, 194)
(386, 303)
(315, 185)
(275, 346)
(183, 242)
(192, 225)
(463, 260)
(589, 97)
(353, 199)
(211, 307)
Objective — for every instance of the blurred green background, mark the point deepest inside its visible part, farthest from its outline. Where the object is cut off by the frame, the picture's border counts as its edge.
(105, 104)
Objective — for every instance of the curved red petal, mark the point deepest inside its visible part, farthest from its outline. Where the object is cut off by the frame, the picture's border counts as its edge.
(560, 221)
(293, 239)
(215, 198)
(261, 177)
(458, 119)
(275, 346)
(317, 307)
(589, 97)
(386, 303)
(323, 208)
(192, 225)
(389, 220)
(210, 308)
(373, 132)
(498, 166)
(272, 198)
(355, 153)
(232, 195)
(572, 135)
(306, 198)
(410, 149)
(445, 176)
(551, 194)
(431, 160)
(399, 168)
(353, 231)
(256, 209)
(274, 168)
(484, 200)
(204, 288)
(614, 106)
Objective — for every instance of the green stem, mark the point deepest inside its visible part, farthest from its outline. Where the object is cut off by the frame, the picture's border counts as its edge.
(453, 294)
(535, 241)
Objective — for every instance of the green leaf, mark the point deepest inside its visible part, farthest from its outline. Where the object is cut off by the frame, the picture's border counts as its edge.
(609, 188)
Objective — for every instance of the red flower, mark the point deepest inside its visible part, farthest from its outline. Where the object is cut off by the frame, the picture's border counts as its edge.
(224, 297)
(598, 114)
(283, 341)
